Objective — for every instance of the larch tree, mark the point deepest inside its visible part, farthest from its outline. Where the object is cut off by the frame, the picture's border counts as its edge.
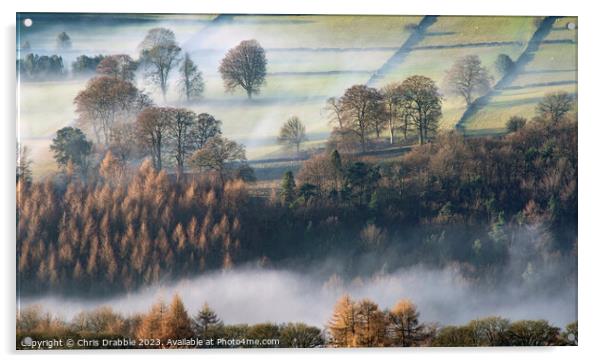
(406, 330)
(371, 330)
(178, 323)
(292, 133)
(244, 66)
(191, 80)
(422, 104)
(342, 326)
(153, 325)
(159, 54)
(468, 77)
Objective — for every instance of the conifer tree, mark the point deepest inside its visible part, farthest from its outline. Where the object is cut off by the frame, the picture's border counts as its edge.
(206, 320)
(287, 192)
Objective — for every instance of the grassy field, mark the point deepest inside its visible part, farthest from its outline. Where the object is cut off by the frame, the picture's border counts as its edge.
(315, 31)
(310, 58)
(553, 68)
(449, 30)
(44, 107)
(451, 38)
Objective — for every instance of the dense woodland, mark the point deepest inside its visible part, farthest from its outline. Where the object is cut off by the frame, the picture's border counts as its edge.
(149, 193)
(455, 200)
(352, 324)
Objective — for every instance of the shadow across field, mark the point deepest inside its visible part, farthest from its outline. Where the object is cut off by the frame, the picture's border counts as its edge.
(527, 56)
(404, 50)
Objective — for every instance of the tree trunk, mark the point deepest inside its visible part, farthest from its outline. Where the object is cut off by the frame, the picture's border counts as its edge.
(391, 131)
(159, 163)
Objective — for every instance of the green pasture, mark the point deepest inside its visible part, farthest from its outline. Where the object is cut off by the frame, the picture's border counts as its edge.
(553, 68)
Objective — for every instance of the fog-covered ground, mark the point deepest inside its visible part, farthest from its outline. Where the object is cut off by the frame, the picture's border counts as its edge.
(301, 51)
(251, 295)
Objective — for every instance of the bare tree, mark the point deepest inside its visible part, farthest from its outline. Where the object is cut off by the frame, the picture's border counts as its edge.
(333, 106)
(121, 145)
(120, 66)
(244, 66)
(217, 155)
(468, 77)
(392, 95)
(105, 101)
(152, 127)
(191, 80)
(205, 127)
(292, 133)
(422, 104)
(159, 53)
(179, 133)
(554, 106)
(361, 104)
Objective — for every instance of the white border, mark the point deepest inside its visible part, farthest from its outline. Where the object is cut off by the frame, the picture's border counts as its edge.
(589, 178)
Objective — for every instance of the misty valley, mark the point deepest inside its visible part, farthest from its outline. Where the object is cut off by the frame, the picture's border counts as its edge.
(221, 181)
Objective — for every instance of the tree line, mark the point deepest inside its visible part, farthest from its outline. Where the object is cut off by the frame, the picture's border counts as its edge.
(244, 66)
(455, 200)
(353, 324)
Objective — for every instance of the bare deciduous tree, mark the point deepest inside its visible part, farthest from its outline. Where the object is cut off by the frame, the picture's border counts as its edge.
(105, 101)
(152, 128)
(244, 66)
(179, 132)
(292, 133)
(555, 106)
(205, 127)
(217, 154)
(422, 103)
(159, 53)
(333, 106)
(191, 80)
(361, 105)
(468, 77)
(392, 94)
(119, 66)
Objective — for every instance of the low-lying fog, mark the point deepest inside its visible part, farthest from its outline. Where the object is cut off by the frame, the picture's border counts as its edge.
(251, 295)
